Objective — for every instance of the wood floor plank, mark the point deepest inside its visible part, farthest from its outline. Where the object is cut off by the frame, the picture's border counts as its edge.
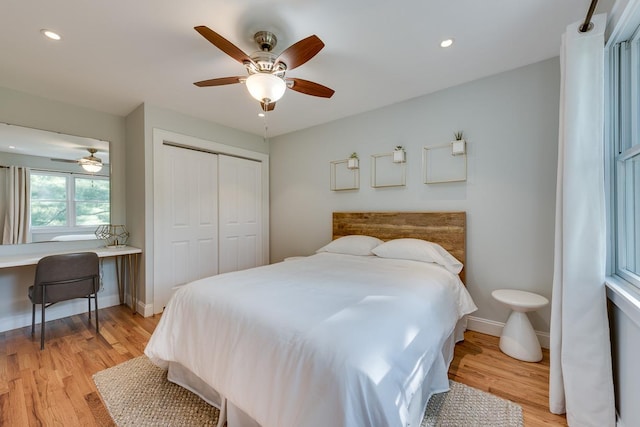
(55, 386)
(98, 410)
(16, 407)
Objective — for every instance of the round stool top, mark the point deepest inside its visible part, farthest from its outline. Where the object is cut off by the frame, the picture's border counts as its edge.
(520, 299)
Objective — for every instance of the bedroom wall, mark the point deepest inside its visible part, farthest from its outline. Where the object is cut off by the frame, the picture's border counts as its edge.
(510, 122)
(23, 109)
(139, 132)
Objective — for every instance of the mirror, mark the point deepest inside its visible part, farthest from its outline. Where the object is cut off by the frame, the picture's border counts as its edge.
(53, 187)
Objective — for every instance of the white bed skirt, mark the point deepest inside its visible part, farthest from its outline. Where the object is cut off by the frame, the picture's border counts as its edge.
(236, 417)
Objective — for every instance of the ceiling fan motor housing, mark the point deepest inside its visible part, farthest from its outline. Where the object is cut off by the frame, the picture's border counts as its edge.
(263, 62)
(266, 40)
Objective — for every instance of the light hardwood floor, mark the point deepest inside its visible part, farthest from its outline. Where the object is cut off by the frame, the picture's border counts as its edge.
(479, 363)
(55, 386)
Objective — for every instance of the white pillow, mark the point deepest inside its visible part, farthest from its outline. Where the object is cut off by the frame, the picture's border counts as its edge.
(418, 250)
(352, 245)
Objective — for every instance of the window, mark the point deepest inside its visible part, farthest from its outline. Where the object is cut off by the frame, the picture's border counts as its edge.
(69, 201)
(624, 103)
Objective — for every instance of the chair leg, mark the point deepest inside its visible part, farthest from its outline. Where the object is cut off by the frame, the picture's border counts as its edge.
(33, 319)
(89, 302)
(96, 303)
(42, 324)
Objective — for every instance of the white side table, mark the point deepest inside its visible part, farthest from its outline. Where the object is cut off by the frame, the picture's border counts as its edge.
(518, 338)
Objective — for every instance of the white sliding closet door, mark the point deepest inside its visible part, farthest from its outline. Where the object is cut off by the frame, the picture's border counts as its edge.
(240, 210)
(186, 246)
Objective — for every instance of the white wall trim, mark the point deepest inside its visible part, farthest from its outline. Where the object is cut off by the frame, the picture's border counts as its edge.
(625, 296)
(623, 21)
(58, 311)
(145, 309)
(493, 328)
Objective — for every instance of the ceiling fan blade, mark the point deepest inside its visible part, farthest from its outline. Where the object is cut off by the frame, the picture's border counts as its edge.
(220, 81)
(311, 88)
(268, 107)
(223, 44)
(300, 52)
(63, 160)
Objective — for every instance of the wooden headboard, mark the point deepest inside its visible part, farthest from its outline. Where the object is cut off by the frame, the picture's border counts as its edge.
(448, 229)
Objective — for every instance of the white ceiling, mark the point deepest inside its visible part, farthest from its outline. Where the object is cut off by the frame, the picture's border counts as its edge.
(117, 54)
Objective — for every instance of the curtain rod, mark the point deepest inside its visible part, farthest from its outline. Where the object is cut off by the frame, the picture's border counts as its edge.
(587, 25)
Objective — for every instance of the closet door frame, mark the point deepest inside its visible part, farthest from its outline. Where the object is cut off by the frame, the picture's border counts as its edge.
(161, 137)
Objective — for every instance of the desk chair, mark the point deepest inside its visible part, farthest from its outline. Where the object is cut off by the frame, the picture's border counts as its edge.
(64, 277)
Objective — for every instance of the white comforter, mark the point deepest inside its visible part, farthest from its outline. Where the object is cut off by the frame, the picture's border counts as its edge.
(327, 340)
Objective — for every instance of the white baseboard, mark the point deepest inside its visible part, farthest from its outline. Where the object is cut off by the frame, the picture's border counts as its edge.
(145, 309)
(57, 311)
(491, 327)
(66, 309)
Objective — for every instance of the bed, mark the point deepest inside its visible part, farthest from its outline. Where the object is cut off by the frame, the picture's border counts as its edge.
(339, 338)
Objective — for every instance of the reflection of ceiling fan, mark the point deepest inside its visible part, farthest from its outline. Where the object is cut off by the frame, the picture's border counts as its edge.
(91, 163)
(266, 81)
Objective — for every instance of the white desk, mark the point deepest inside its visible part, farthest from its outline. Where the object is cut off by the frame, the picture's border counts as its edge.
(127, 265)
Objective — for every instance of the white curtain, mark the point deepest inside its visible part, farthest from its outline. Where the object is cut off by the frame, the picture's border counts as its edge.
(16, 219)
(581, 382)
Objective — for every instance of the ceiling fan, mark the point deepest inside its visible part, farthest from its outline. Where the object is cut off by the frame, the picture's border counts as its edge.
(266, 79)
(89, 163)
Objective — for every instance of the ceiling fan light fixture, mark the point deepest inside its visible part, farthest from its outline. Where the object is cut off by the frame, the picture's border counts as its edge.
(265, 87)
(91, 163)
(91, 166)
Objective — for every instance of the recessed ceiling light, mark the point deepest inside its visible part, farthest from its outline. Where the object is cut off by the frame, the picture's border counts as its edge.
(50, 34)
(13, 147)
(260, 114)
(446, 43)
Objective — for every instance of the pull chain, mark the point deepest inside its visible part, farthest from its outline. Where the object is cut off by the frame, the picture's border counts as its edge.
(265, 112)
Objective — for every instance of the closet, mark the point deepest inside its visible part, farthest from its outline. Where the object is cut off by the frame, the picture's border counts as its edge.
(208, 216)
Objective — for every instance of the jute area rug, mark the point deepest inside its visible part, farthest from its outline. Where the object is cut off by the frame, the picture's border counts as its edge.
(137, 393)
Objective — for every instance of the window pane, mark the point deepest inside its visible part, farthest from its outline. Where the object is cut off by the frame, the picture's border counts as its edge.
(48, 187)
(92, 213)
(91, 201)
(92, 189)
(631, 212)
(48, 214)
(48, 200)
(625, 98)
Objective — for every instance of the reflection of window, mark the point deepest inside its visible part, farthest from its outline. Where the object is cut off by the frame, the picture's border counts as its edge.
(68, 200)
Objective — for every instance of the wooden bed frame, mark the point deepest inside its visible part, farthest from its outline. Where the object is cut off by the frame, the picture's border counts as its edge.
(448, 229)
